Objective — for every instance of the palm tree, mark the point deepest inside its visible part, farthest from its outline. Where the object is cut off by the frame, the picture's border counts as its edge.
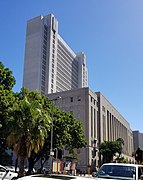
(120, 141)
(28, 129)
(108, 150)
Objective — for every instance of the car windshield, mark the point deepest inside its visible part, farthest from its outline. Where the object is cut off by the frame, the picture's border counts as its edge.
(117, 172)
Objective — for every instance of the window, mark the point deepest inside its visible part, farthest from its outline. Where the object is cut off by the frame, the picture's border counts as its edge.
(43, 77)
(45, 42)
(43, 72)
(43, 83)
(44, 52)
(43, 67)
(44, 62)
(79, 98)
(45, 32)
(45, 27)
(71, 99)
(44, 57)
(45, 37)
(44, 47)
(42, 88)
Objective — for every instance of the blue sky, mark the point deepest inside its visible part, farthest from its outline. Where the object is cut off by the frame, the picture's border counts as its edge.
(110, 32)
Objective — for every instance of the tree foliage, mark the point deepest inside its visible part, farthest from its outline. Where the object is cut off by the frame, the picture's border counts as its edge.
(7, 81)
(28, 126)
(108, 149)
(25, 122)
(67, 133)
(139, 155)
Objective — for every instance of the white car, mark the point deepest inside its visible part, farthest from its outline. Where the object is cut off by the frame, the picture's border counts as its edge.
(112, 171)
(6, 174)
(54, 177)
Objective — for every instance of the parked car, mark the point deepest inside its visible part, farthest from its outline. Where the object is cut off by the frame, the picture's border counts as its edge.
(112, 171)
(6, 174)
(53, 177)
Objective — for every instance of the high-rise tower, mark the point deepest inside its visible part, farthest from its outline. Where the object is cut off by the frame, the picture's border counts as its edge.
(50, 65)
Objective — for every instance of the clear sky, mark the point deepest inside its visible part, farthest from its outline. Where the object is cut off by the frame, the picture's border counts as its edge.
(110, 32)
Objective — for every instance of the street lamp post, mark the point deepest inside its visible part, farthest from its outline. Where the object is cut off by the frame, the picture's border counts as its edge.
(51, 148)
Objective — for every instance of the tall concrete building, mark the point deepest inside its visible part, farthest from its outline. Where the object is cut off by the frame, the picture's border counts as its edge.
(101, 122)
(50, 65)
(138, 140)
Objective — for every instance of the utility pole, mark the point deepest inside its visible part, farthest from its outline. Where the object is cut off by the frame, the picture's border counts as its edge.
(52, 125)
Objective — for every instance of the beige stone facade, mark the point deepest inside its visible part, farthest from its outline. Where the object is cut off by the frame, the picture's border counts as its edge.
(83, 104)
(112, 125)
(101, 121)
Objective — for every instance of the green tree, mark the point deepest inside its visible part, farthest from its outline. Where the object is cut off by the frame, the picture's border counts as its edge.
(7, 81)
(120, 141)
(28, 126)
(67, 133)
(108, 149)
(139, 155)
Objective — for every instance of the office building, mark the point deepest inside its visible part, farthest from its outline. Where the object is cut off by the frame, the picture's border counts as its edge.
(138, 140)
(101, 122)
(50, 65)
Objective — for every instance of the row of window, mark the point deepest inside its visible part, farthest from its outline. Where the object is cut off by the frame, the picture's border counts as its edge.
(78, 98)
(60, 86)
(69, 70)
(69, 58)
(69, 76)
(63, 47)
(64, 61)
(45, 34)
(53, 64)
(62, 82)
(67, 79)
(70, 63)
(93, 101)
